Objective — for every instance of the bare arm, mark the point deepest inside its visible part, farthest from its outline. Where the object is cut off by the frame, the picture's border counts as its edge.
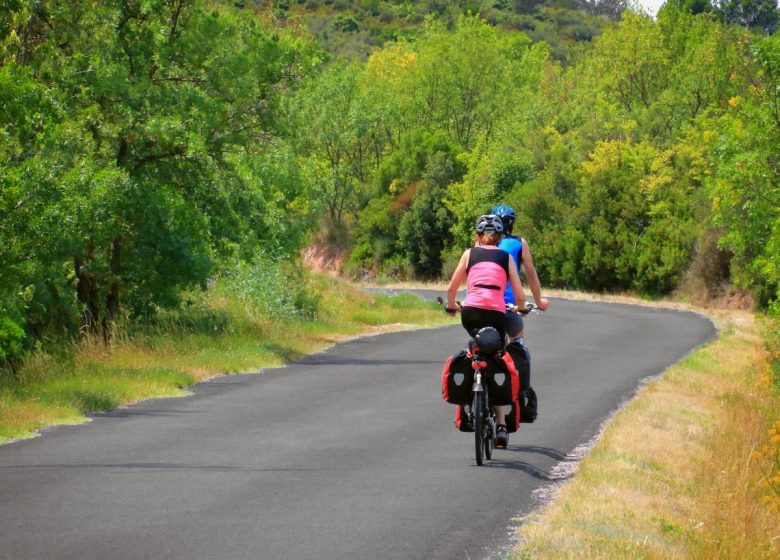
(533, 278)
(517, 286)
(458, 277)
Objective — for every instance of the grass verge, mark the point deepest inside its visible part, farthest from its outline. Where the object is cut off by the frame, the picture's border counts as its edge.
(219, 334)
(690, 469)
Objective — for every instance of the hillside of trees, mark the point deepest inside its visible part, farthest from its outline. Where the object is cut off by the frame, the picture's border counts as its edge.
(353, 29)
(150, 146)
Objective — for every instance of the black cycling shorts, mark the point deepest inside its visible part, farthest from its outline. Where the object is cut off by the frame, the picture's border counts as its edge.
(514, 323)
(474, 318)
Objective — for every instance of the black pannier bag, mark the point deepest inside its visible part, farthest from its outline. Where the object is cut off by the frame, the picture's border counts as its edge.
(501, 380)
(522, 359)
(527, 396)
(457, 379)
(462, 418)
(528, 406)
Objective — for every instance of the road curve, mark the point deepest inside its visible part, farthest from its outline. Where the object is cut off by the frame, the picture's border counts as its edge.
(348, 453)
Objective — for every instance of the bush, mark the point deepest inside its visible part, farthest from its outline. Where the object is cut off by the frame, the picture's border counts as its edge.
(12, 338)
(396, 268)
(345, 24)
(273, 287)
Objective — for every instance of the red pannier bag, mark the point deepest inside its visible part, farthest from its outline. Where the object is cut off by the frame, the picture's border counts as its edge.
(462, 418)
(457, 379)
(502, 380)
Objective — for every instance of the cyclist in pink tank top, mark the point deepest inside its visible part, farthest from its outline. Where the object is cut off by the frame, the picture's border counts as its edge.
(486, 269)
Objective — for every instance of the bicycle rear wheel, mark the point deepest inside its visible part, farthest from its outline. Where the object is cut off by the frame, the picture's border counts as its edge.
(478, 409)
(489, 440)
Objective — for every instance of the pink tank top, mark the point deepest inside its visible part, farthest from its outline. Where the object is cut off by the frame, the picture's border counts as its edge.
(488, 272)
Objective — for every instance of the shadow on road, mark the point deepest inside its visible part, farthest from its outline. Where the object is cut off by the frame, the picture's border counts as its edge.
(518, 466)
(524, 466)
(553, 453)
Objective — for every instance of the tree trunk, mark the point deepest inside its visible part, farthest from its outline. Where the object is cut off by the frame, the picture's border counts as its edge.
(87, 293)
(112, 299)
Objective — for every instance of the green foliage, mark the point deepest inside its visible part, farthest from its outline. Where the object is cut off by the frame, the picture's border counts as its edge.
(406, 164)
(342, 132)
(406, 229)
(424, 228)
(272, 288)
(12, 338)
(130, 139)
(746, 187)
(757, 14)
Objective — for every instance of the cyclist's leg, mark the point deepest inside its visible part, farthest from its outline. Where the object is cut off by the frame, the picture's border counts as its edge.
(515, 327)
(500, 415)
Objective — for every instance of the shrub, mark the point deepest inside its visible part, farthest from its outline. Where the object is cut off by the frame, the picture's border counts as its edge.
(345, 24)
(12, 338)
(273, 287)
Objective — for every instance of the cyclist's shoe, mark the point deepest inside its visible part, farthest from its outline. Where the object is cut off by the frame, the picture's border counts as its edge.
(502, 437)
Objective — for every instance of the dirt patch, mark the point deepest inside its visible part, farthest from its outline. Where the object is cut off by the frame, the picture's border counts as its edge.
(324, 259)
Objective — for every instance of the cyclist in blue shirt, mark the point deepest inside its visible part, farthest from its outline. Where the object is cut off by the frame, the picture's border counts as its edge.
(521, 254)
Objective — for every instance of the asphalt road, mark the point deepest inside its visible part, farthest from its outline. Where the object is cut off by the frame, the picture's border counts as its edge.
(346, 454)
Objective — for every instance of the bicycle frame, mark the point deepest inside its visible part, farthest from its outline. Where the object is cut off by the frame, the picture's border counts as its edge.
(483, 418)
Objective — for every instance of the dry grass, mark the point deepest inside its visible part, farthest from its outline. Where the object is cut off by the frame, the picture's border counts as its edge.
(685, 471)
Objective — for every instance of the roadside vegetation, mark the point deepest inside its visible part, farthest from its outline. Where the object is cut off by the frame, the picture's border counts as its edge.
(690, 469)
(232, 328)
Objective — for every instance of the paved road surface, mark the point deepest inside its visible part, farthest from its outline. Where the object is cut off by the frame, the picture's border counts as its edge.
(346, 454)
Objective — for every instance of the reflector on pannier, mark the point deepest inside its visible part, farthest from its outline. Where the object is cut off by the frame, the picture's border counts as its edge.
(501, 380)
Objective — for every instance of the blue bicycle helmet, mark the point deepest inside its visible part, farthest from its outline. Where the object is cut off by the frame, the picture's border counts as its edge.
(489, 223)
(506, 213)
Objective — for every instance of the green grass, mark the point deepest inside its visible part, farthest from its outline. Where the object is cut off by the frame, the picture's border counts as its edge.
(219, 333)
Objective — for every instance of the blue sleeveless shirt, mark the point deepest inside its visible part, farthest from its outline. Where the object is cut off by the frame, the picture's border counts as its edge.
(514, 246)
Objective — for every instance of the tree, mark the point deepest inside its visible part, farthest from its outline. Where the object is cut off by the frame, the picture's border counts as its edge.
(631, 63)
(745, 189)
(424, 229)
(137, 175)
(344, 134)
(461, 80)
(755, 14)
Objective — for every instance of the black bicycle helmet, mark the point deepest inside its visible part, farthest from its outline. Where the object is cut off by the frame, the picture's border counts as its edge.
(506, 213)
(489, 223)
(488, 340)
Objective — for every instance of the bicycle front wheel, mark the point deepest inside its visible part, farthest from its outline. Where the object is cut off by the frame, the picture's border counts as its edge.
(478, 409)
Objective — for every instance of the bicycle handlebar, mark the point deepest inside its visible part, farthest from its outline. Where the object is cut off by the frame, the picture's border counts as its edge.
(440, 301)
(529, 307)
